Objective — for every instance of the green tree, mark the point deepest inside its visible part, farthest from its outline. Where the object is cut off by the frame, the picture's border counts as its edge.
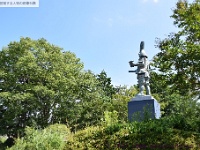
(120, 101)
(41, 84)
(178, 59)
(176, 81)
(105, 84)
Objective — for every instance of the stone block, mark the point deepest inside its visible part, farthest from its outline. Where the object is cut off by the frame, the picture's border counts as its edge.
(141, 107)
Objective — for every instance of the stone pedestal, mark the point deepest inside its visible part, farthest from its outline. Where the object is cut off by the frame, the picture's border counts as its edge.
(143, 107)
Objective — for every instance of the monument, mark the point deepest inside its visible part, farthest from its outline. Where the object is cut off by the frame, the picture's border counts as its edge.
(141, 105)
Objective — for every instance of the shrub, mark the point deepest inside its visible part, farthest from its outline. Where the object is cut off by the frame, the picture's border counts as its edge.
(50, 138)
(147, 135)
(110, 118)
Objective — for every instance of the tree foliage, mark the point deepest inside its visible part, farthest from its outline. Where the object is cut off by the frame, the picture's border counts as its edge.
(166, 133)
(105, 84)
(51, 138)
(40, 84)
(178, 59)
(177, 79)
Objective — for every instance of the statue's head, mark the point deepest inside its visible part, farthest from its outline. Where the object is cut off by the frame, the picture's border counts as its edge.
(142, 52)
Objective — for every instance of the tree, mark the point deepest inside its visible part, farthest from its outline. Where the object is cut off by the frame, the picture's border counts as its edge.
(120, 101)
(105, 84)
(176, 80)
(41, 84)
(178, 59)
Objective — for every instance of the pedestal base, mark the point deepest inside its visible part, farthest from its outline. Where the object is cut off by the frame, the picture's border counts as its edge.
(143, 107)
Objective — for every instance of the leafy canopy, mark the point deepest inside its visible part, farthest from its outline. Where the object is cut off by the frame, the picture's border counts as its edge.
(40, 84)
(178, 59)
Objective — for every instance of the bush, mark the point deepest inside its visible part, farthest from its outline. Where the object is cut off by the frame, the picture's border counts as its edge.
(50, 138)
(152, 134)
(110, 118)
(168, 133)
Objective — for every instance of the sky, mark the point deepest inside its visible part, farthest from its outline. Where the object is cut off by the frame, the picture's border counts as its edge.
(104, 34)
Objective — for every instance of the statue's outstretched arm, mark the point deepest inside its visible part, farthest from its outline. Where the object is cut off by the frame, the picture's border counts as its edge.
(132, 64)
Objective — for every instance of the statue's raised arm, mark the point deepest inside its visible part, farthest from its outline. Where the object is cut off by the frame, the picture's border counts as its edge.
(142, 70)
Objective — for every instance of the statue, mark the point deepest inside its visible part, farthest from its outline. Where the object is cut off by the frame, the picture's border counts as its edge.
(142, 71)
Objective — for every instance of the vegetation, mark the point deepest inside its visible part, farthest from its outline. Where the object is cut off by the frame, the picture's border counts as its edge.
(178, 59)
(50, 138)
(172, 132)
(134, 136)
(47, 100)
(41, 85)
(105, 84)
(176, 81)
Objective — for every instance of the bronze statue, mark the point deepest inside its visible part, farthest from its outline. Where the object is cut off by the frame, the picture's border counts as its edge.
(142, 70)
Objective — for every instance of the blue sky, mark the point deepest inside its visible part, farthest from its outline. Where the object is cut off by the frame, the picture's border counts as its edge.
(104, 34)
